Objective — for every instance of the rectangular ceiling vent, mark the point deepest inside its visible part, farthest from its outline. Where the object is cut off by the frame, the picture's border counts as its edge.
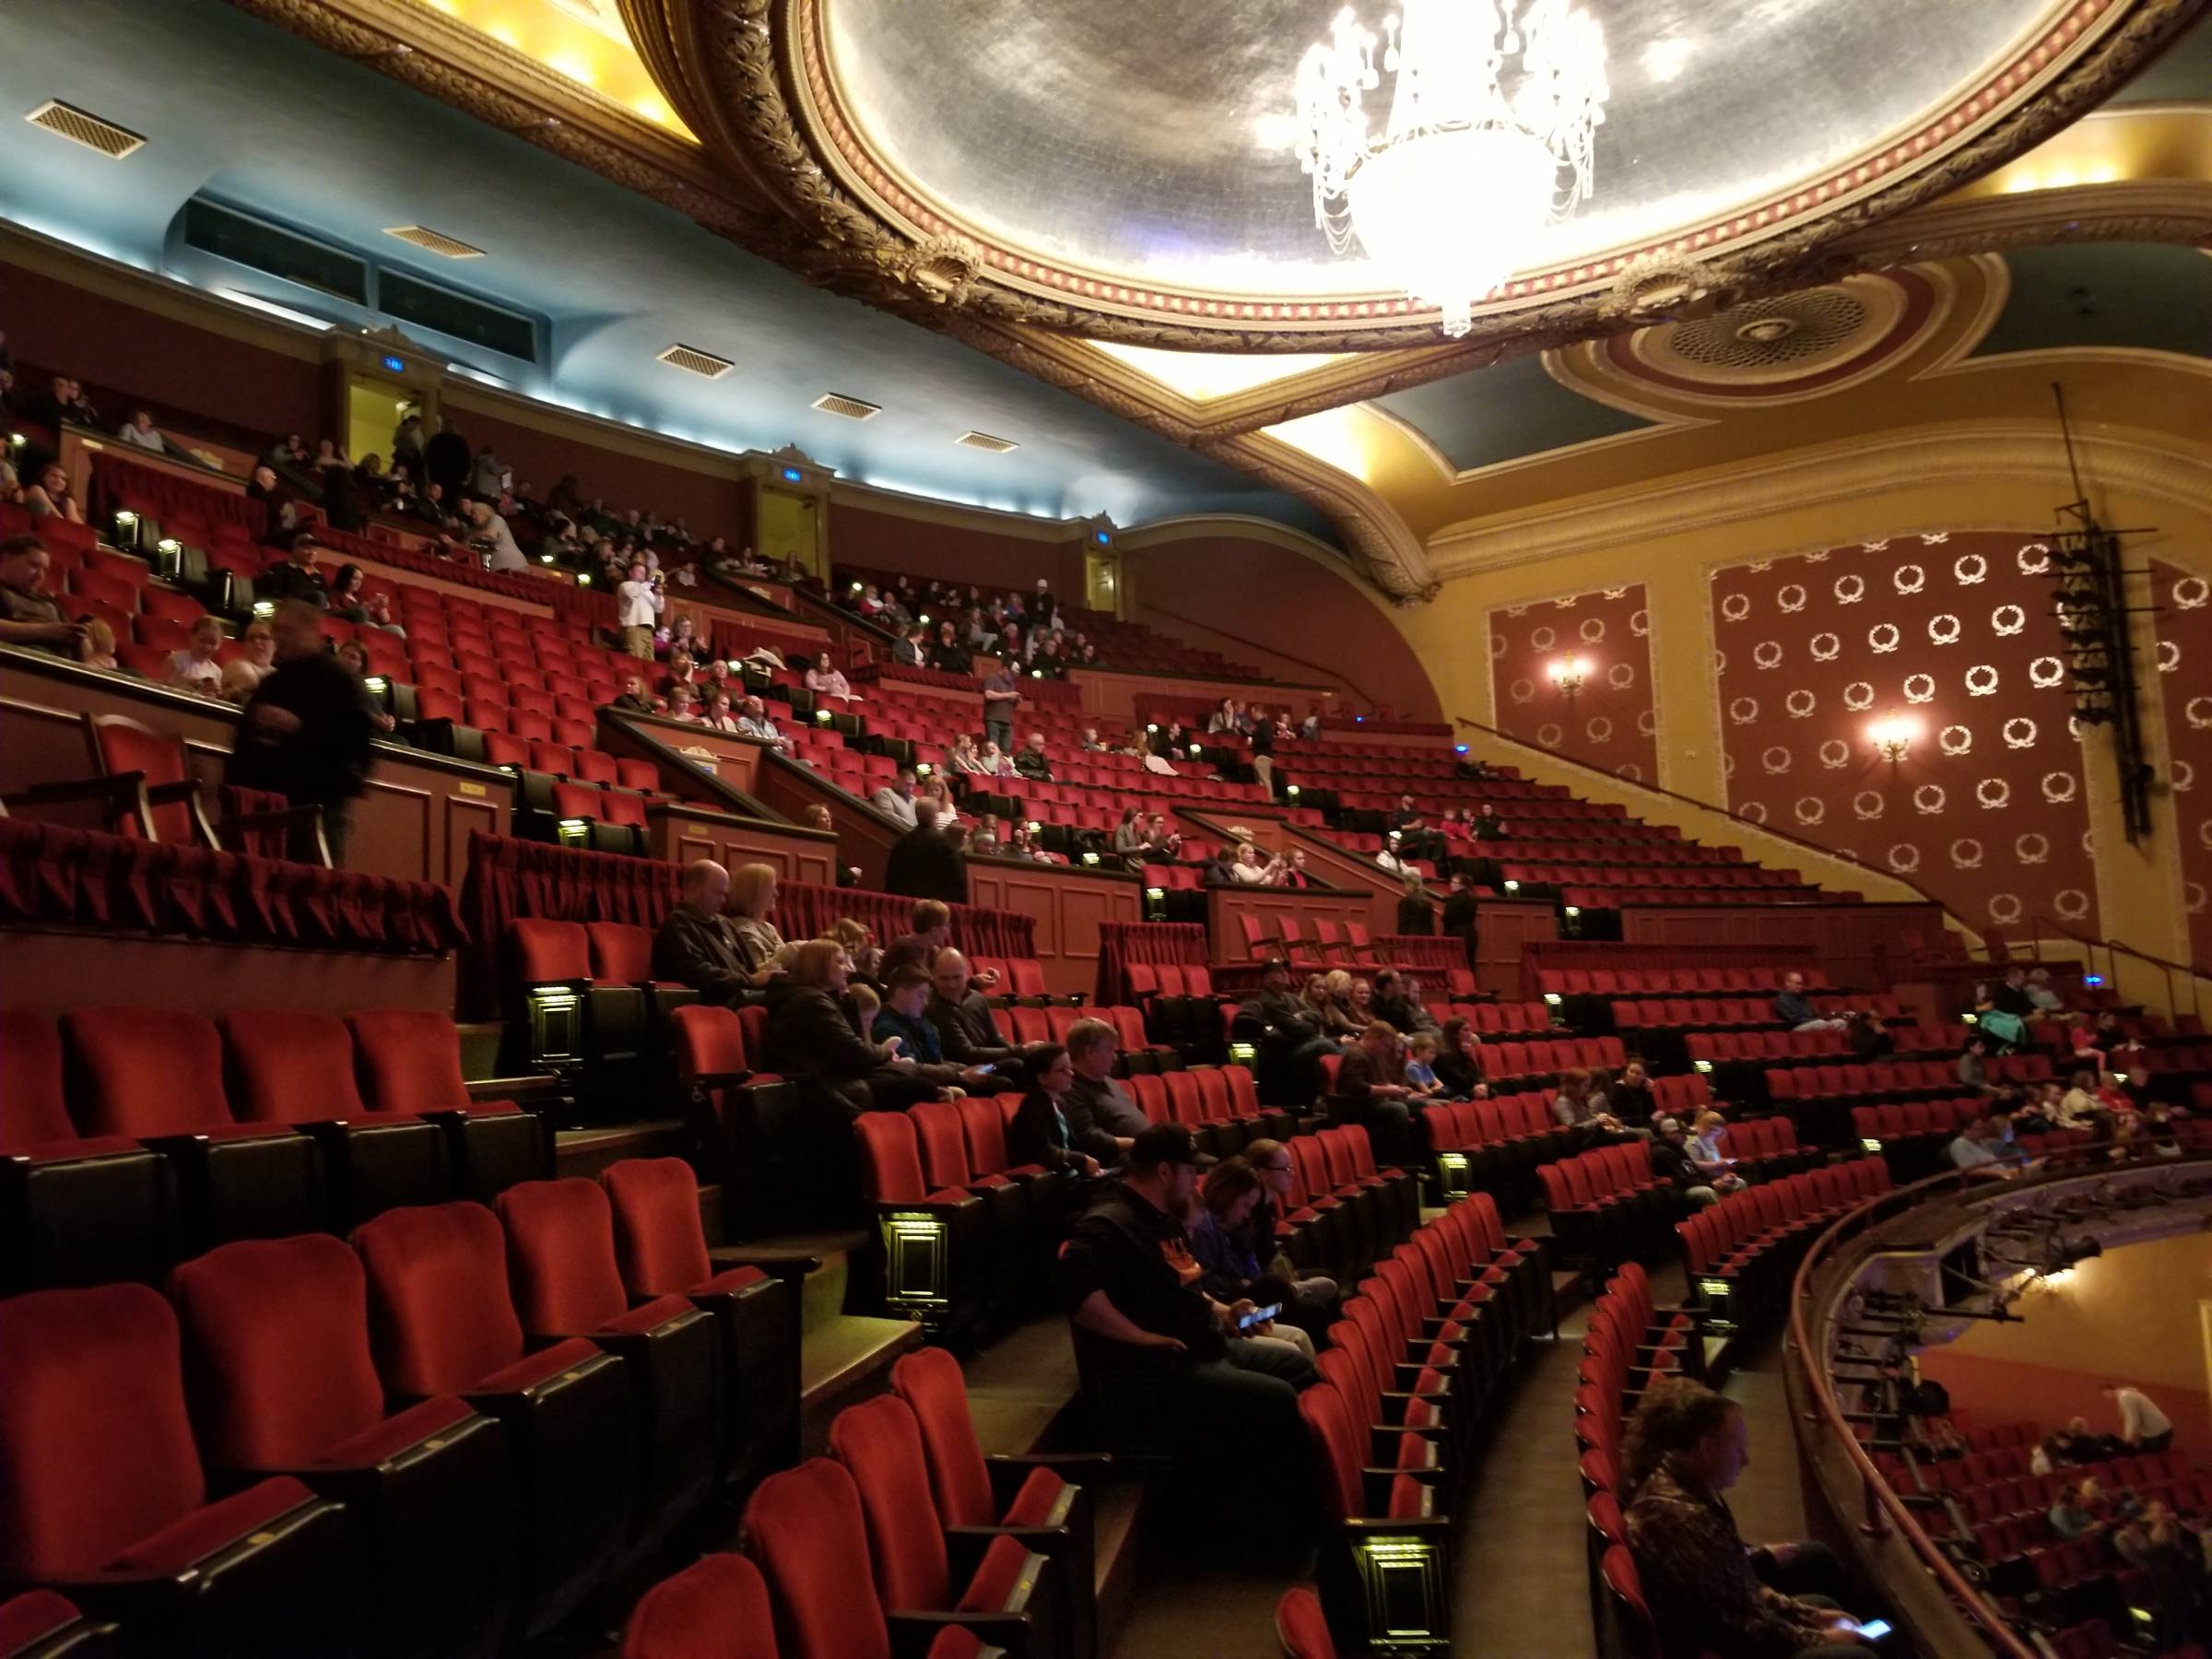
(434, 242)
(852, 408)
(81, 126)
(694, 362)
(983, 440)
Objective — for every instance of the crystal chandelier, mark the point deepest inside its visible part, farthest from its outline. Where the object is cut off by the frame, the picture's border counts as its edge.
(1494, 109)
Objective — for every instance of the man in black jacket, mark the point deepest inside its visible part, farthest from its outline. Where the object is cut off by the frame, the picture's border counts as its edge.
(1459, 909)
(695, 946)
(1289, 1037)
(446, 461)
(1101, 1119)
(306, 732)
(297, 578)
(924, 864)
(962, 1016)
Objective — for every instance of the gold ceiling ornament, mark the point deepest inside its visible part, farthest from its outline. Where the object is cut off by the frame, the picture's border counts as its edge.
(1662, 285)
(756, 84)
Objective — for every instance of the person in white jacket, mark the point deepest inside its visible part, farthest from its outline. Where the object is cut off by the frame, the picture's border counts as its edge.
(638, 605)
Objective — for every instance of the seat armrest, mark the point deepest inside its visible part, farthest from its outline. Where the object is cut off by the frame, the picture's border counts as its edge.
(720, 1079)
(1001, 1633)
(790, 1267)
(129, 786)
(536, 1088)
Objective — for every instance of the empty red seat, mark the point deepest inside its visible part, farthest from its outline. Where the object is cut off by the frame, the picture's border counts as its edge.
(443, 1324)
(716, 1608)
(276, 1339)
(99, 1480)
(408, 1060)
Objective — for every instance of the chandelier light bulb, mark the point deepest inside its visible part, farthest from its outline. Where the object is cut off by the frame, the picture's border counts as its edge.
(1893, 736)
(1493, 111)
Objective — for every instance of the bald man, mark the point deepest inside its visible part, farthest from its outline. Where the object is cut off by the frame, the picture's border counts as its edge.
(961, 1016)
(695, 946)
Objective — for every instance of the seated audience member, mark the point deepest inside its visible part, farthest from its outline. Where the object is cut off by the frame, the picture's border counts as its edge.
(1232, 1405)
(1710, 1591)
(824, 680)
(861, 949)
(947, 656)
(1795, 1009)
(297, 578)
(1020, 843)
(140, 431)
(2143, 1429)
(1312, 1303)
(1671, 1163)
(962, 757)
(2040, 993)
(931, 932)
(1632, 1099)
(902, 1014)
(1459, 1059)
(1221, 869)
(1576, 1105)
(344, 594)
(1294, 872)
(635, 699)
(1397, 1000)
(1485, 825)
(28, 614)
(487, 533)
(1169, 742)
(306, 731)
(1164, 843)
(1372, 1077)
(1218, 1225)
(962, 1014)
(95, 645)
(895, 800)
(49, 495)
(2068, 1517)
(1038, 1132)
(1288, 1036)
(1033, 763)
(759, 945)
(1973, 1067)
(812, 1034)
(910, 649)
(356, 657)
(696, 945)
(992, 762)
(2005, 1013)
(1389, 861)
(1707, 1154)
(1091, 744)
(933, 806)
(1101, 1119)
(716, 716)
(256, 657)
(683, 703)
(755, 722)
(1130, 842)
(926, 862)
(195, 668)
(1251, 870)
(1971, 1150)
(1420, 1067)
(2081, 1107)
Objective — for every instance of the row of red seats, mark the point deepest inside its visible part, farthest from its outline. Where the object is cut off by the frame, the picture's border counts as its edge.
(1680, 1013)
(1737, 979)
(437, 1441)
(1507, 1062)
(132, 1135)
(1608, 1205)
(1897, 1077)
(1696, 881)
(1741, 1251)
(905, 1534)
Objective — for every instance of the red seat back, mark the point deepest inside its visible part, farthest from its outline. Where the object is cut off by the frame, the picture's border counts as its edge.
(561, 1269)
(881, 1445)
(549, 952)
(145, 1071)
(929, 1380)
(288, 1068)
(808, 1528)
(660, 1244)
(439, 1314)
(716, 1608)
(408, 1060)
(94, 1440)
(621, 952)
(276, 1335)
(31, 1102)
(121, 745)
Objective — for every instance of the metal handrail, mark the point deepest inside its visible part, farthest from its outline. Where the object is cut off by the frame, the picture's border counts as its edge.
(2193, 973)
(1877, 1489)
(1690, 800)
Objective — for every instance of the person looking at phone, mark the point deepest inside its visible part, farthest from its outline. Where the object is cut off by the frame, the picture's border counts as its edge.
(905, 992)
(1218, 1226)
(1038, 1133)
(28, 614)
(812, 1035)
(1232, 1402)
(1709, 1593)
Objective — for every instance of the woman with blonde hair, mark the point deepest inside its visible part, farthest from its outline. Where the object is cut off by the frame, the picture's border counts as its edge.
(1338, 1019)
(752, 895)
(811, 1033)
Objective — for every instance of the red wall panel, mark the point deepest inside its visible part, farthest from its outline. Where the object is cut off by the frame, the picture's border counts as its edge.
(2185, 628)
(1611, 722)
(885, 541)
(1987, 812)
(708, 505)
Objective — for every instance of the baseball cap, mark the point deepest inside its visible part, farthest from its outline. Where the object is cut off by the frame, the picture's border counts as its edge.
(1668, 1125)
(1164, 1143)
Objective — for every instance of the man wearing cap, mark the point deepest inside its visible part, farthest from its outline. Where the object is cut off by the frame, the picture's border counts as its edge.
(1288, 1037)
(1129, 1282)
(1671, 1163)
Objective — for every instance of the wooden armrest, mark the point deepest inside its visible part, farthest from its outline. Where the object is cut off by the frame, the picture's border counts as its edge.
(78, 789)
(538, 1086)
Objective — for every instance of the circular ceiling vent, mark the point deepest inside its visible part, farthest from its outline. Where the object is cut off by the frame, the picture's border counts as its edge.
(1770, 333)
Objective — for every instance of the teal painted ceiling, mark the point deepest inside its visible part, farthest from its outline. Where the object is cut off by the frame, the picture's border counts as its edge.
(1507, 410)
(2149, 295)
(2182, 75)
(239, 110)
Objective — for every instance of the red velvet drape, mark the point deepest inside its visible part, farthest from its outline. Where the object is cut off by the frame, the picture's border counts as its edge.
(1121, 943)
(56, 876)
(116, 482)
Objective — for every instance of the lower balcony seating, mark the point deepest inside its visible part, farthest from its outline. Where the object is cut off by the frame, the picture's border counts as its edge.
(1912, 1136)
(1740, 1253)
(1493, 1146)
(105, 1498)
(1607, 1207)
(1511, 1066)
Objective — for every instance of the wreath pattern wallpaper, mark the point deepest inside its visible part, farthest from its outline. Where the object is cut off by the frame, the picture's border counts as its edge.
(2184, 626)
(1610, 723)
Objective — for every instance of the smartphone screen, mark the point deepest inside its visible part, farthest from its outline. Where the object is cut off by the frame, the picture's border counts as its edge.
(1874, 1629)
(1259, 1316)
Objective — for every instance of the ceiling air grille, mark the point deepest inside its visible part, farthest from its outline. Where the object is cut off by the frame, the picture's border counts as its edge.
(80, 126)
(434, 242)
(852, 408)
(983, 440)
(694, 362)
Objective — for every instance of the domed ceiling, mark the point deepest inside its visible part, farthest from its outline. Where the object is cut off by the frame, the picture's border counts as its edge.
(1152, 140)
(1128, 171)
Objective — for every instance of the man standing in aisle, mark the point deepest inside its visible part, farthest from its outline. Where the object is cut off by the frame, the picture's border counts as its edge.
(1001, 697)
(639, 603)
(2143, 1426)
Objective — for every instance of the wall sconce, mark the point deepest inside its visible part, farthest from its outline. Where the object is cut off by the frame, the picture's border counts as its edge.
(1892, 736)
(1567, 673)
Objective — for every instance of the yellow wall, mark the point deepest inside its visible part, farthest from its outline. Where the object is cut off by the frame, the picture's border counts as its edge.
(2126, 1314)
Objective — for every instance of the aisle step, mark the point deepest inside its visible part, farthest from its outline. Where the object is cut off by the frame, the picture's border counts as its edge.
(846, 1359)
(585, 1152)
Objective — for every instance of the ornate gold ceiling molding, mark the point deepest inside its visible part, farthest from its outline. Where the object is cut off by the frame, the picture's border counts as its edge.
(1378, 538)
(2160, 210)
(1835, 473)
(458, 66)
(757, 72)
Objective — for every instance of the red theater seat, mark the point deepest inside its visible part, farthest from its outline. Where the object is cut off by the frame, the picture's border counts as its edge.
(102, 1495)
(276, 1338)
(716, 1608)
(442, 1324)
(408, 1060)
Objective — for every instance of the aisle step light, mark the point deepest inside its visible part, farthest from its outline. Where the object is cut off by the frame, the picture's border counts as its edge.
(127, 528)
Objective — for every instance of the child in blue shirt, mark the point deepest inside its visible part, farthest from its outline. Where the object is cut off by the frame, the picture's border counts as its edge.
(1420, 1067)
